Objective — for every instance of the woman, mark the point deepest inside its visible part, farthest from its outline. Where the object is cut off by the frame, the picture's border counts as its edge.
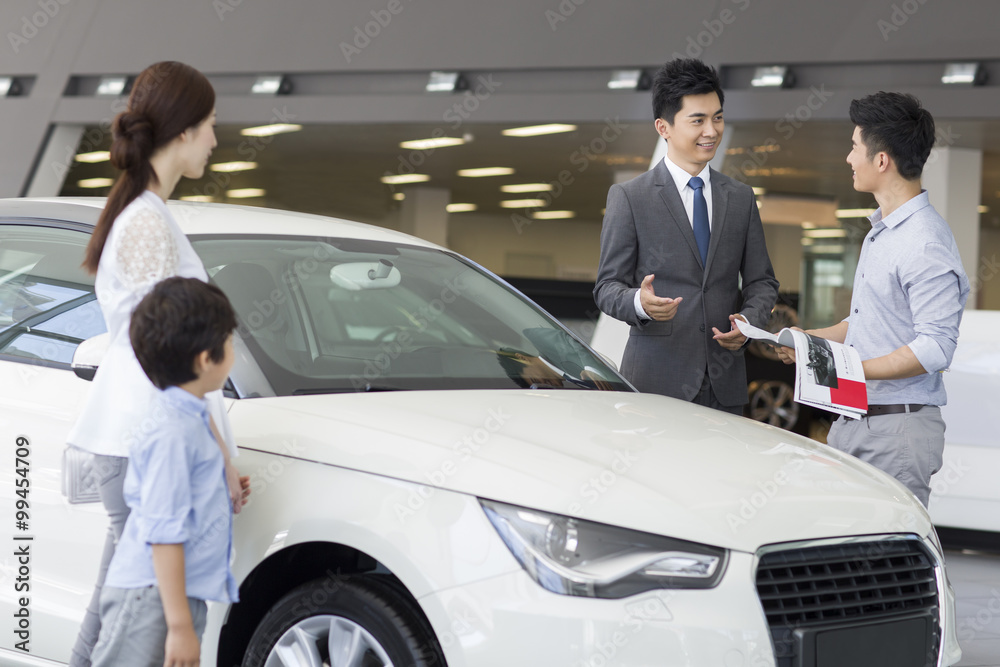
(167, 132)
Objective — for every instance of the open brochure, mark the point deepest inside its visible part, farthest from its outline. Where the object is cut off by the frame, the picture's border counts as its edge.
(828, 375)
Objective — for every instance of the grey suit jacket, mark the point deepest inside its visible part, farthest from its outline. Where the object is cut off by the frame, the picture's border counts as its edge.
(646, 230)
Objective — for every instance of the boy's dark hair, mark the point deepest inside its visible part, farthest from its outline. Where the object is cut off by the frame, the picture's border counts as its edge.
(895, 123)
(178, 320)
(680, 77)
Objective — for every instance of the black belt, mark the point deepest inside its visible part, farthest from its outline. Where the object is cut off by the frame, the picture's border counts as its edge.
(893, 409)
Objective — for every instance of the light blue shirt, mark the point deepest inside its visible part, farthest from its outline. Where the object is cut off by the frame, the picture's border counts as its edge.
(176, 488)
(909, 289)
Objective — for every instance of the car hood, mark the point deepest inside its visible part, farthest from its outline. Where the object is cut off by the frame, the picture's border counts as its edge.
(640, 461)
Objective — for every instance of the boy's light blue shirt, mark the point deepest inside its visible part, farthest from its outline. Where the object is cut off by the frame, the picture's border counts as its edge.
(176, 488)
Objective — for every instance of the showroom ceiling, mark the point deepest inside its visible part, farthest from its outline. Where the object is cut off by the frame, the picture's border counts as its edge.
(335, 169)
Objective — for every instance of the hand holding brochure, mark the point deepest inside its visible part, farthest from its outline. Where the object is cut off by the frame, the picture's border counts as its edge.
(828, 375)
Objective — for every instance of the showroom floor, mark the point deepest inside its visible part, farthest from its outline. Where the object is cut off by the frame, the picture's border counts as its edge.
(976, 579)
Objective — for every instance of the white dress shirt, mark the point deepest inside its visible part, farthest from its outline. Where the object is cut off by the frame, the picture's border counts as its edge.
(145, 245)
(686, 192)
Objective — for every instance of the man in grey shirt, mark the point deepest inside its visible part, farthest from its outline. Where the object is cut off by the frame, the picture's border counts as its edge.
(909, 293)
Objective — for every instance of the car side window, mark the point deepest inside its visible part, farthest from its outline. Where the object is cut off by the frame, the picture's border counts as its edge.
(47, 301)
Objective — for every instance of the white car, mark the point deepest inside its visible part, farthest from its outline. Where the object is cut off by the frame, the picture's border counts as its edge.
(444, 475)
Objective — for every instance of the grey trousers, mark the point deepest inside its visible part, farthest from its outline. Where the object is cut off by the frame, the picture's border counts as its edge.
(111, 481)
(907, 446)
(134, 629)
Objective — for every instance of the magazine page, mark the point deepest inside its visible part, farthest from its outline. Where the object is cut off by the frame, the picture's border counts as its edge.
(829, 375)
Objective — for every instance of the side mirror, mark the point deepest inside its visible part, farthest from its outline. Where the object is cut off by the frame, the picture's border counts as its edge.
(88, 356)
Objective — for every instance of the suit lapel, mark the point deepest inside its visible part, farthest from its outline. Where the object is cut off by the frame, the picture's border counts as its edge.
(672, 199)
(720, 202)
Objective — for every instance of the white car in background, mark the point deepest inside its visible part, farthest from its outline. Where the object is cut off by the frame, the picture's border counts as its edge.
(443, 475)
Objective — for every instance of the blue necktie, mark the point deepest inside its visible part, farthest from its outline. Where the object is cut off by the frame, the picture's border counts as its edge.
(701, 230)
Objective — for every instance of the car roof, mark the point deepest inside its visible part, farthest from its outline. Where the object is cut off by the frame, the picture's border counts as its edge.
(201, 218)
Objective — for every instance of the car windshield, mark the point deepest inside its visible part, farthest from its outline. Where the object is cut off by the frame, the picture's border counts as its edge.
(344, 315)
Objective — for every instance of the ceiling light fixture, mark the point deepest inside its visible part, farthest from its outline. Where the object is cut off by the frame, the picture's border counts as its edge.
(460, 208)
(95, 183)
(271, 84)
(854, 212)
(526, 187)
(205, 199)
(245, 193)
(93, 156)
(430, 144)
(482, 172)
(9, 86)
(553, 215)
(825, 233)
(270, 130)
(628, 79)
(777, 76)
(230, 167)
(535, 130)
(969, 74)
(112, 86)
(522, 203)
(399, 196)
(445, 82)
(401, 179)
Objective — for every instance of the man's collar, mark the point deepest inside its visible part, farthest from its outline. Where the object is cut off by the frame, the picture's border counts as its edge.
(681, 177)
(903, 212)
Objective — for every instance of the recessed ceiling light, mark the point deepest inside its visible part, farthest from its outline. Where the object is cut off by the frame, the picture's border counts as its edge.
(428, 144)
(485, 171)
(245, 193)
(964, 73)
(271, 84)
(808, 225)
(399, 196)
(628, 79)
(535, 130)
(95, 182)
(93, 156)
(854, 212)
(400, 179)
(777, 76)
(270, 130)
(825, 233)
(445, 82)
(527, 187)
(759, 191)
(461, 208)
(229, 167)
(553, 215)
(983, 208)
(205, 199)
(112, 85)
(522, 203)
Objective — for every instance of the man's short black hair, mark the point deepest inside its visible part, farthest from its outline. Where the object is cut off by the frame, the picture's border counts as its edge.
(896, 124)
(178, 320)
(680, 77)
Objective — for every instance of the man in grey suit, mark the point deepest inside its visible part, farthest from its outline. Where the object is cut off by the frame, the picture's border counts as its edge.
(683, 254)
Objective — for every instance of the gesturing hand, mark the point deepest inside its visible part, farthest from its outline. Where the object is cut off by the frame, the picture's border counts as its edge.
(733, 340)
(657, 307)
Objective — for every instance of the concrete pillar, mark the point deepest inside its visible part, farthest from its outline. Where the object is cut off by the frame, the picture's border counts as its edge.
(953, 177)
(424, 213)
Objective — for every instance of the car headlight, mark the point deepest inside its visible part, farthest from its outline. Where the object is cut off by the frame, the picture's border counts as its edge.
(571, 556)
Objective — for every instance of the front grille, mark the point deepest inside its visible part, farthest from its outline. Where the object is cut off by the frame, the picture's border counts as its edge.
(831, 586)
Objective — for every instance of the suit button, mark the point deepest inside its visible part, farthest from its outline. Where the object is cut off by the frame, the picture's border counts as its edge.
(701, 327)
(705, 290)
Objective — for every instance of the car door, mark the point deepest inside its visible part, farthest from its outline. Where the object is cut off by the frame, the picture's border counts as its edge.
(50, 561)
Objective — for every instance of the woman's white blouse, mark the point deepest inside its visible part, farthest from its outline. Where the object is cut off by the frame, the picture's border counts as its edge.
(145, 245)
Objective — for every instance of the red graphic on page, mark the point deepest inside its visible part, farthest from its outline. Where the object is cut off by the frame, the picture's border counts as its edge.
(850, 393)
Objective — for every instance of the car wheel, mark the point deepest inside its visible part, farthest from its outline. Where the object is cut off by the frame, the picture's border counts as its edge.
(346, 623)
(773, 401)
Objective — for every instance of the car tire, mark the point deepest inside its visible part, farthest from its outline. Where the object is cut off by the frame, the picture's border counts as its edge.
(342, 623)
(773, 402)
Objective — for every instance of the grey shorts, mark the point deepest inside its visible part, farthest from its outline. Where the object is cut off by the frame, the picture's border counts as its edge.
(134, 629)
(907, 446)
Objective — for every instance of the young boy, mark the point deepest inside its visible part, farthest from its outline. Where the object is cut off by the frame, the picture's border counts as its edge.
(175, 549)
